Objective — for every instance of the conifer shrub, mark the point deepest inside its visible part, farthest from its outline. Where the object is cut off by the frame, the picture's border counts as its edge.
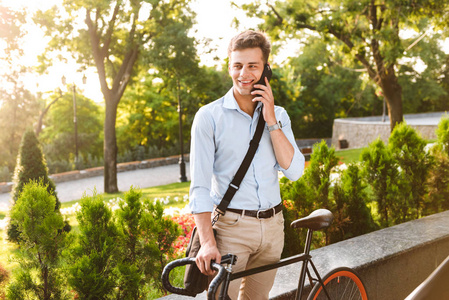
(407, 149)
(438, 197)
(351, 199)
(146, 245)
(94, 252)
(381, 172)
(305, 195)
(30, 166)
(42, 240)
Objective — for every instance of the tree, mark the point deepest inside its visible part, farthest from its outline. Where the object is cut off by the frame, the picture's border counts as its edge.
(30, 166)
(321, 89)
(116, 37)
(367, 31)
(42, 239)
(58, 135)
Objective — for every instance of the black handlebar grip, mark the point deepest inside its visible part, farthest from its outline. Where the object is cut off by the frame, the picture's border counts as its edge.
(218, 279)
(181, 291)
(166, 279)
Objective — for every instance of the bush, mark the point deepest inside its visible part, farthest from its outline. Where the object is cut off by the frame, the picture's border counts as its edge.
(308, 193)
(381, 172)
(407, 148)
(30, 166)
(41, 239)
(93, 257)
(350, 198)
(443, 134)
(438, 197)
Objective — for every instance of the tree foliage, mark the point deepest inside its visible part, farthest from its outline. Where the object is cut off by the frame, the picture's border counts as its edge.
(58, 135)
(365, 31)
(117, 38)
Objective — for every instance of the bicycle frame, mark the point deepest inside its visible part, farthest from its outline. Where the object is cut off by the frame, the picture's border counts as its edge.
(305, 257)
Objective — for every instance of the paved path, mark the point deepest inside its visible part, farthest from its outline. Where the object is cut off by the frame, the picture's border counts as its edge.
(142, 178)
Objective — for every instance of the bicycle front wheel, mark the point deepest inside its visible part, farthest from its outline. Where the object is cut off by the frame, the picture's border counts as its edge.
(341, 284)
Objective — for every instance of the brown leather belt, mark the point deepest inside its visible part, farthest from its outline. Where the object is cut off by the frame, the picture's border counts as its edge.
(260, 214)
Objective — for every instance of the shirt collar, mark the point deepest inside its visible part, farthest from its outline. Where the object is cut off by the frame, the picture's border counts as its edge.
(230, 102)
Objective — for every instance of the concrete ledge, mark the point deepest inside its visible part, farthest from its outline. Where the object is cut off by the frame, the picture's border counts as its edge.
(392, 262)
(6, 187)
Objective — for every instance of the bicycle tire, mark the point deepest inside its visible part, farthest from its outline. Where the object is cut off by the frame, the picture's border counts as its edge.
(341, 284)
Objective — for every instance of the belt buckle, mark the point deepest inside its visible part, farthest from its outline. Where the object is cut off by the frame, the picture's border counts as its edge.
(262, 211)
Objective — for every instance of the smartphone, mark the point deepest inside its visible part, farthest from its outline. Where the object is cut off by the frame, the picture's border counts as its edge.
(266, 73)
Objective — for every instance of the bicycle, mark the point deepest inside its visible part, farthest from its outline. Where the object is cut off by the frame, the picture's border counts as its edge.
(342, 283)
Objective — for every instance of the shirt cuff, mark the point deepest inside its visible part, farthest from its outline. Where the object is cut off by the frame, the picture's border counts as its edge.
(296, 167)
(200, 200)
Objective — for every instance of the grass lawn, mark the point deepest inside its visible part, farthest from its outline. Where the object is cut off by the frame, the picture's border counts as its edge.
(173, 190)
(349, 155)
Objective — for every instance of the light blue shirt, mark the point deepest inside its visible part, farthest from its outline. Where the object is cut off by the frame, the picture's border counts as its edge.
(221, 133)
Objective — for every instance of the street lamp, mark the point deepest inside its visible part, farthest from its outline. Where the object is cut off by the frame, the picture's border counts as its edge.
(75, 124)
(182, 165)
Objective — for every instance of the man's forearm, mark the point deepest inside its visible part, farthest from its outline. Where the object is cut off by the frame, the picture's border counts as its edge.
(204, 227)
(283, 150)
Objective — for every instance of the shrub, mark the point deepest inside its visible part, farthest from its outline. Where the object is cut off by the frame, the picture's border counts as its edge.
(443, 134)
(30, 166)
(93, 257)
(308, 193)
(41, 239)
(438, 197)
(407, 148)
(350, 198)
(380, 171)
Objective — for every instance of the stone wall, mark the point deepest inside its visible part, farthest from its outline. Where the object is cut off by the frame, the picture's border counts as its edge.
(360, 132)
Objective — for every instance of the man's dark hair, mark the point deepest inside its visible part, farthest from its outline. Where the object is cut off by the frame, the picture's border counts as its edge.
(250, 39)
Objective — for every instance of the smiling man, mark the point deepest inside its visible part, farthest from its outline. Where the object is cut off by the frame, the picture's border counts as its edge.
(252, 227)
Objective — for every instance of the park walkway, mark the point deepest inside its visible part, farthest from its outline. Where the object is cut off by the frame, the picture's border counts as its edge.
(142, 178)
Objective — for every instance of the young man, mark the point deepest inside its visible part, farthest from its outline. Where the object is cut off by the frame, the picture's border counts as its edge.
(252, 227)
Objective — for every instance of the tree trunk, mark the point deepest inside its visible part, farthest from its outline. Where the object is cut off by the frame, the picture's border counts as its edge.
(110, 146)
(393, 96)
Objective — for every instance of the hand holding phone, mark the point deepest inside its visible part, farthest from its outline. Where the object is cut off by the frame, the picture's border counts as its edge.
(266, 73)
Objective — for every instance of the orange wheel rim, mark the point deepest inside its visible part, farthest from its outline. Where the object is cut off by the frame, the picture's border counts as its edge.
(348, 274)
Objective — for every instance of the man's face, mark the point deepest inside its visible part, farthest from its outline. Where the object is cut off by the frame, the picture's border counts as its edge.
(245, 69)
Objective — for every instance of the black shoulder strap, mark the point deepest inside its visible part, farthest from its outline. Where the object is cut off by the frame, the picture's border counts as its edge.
(241, 172)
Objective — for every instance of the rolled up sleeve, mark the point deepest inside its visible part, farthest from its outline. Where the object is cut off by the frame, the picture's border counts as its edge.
(202, 151)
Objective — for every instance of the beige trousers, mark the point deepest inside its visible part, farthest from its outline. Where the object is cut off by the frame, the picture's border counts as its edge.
(256, 242)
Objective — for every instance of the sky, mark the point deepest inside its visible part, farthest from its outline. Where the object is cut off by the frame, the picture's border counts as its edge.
(214, 19)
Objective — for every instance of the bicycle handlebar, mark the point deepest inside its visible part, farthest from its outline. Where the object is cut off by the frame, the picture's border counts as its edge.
(182, 291)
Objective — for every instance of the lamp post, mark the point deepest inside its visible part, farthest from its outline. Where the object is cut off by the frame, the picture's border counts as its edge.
(75, 121)
(182, 165)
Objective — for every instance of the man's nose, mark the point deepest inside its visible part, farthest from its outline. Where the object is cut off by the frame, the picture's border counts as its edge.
(244, 71)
